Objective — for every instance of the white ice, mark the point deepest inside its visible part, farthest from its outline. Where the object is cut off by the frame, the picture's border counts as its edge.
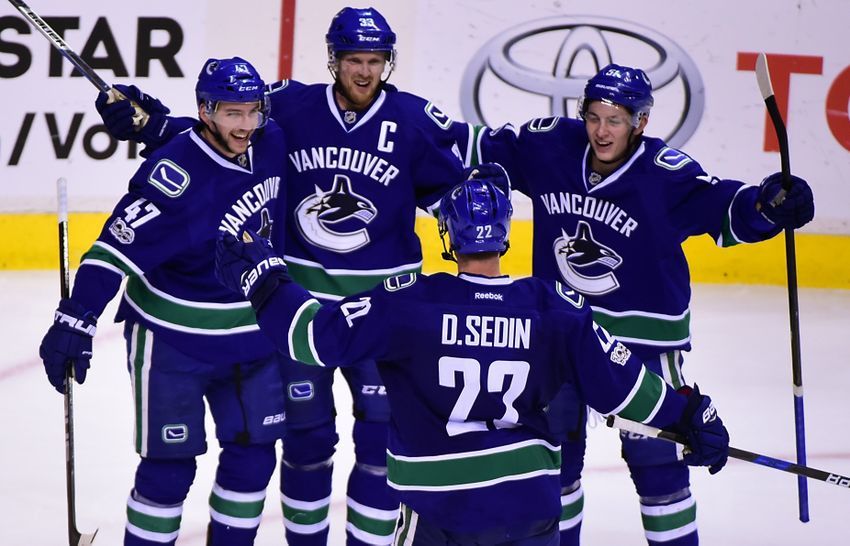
(741, 358)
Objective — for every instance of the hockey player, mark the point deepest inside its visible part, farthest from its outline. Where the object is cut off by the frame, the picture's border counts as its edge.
(470, 363)
(612, 208)
(362, 157)
(189, 339)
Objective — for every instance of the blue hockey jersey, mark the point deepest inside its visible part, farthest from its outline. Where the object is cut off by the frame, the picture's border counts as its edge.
(161, 236)
(470, 364)
(356, 179)
(618, 240)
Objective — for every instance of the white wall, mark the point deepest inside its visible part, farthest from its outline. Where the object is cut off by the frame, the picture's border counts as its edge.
(438, 39)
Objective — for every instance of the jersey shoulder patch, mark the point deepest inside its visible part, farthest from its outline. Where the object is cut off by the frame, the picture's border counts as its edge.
(169, 178)
(542, 125)
(442, 120)
(276, 86)
(400, 282)
(568, 294)
(672, 159)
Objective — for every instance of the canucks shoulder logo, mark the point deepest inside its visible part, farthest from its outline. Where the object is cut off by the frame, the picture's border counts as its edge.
(583, 251)
(335, 219)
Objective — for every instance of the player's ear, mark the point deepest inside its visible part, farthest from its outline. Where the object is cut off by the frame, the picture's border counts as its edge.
(202, 113)
(641, 124)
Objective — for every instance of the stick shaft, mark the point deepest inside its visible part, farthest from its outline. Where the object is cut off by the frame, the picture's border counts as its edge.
(75, 538)
(56, 40)
(734, 452)
(766, 87)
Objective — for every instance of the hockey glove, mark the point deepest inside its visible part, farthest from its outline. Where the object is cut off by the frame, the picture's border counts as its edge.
(708, 439)
(118, 115)
(249, 265)
(795, 210)
(68, 342)
(491, 172)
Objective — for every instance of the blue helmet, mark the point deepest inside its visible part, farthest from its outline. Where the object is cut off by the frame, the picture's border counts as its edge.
(359, 29)
(477, 217)
(231, 80)
(621, 85)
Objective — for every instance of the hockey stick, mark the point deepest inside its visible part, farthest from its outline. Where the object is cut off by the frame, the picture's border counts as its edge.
(140, 118)
(740, 454)
(763, 77)
(75, 538)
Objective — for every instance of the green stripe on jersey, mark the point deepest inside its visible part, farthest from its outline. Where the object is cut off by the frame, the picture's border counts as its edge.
(319, 282)
(473, 469)
(727, 238)
(644, 399)
(643, 328)
(101, 254)
(299, 332)
(190, 316)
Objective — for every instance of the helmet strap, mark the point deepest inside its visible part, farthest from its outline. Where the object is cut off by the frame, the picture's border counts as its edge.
(447, 252)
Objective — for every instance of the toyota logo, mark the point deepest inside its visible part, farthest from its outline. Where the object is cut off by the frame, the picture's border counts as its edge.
(551, 59)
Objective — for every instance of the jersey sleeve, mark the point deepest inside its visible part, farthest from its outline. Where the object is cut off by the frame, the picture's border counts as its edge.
(479, 144)
(700, 204)
(351, 330)
(437, 166)
(172, 127)
(611, 379)
(145, 229)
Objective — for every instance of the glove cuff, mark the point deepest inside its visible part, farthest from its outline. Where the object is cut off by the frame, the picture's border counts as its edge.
(266, 288)
(73, 316)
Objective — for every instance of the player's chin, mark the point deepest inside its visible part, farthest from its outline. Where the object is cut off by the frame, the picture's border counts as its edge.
(240, 144)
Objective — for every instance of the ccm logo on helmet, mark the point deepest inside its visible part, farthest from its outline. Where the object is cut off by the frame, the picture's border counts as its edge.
(250, 277)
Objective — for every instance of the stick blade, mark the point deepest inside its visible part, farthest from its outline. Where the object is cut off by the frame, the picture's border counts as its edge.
(86, 539)
(763, 76)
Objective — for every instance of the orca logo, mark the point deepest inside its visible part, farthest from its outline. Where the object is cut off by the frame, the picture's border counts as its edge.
(582, 251)
(551, 59)
(316, 214)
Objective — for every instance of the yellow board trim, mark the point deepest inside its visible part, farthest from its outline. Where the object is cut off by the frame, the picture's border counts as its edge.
(30, 241)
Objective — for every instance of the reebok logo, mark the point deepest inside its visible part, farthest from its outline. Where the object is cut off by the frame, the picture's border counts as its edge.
(492, 296)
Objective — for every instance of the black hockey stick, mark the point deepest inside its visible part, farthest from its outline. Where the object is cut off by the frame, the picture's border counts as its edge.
(740, 454)
(140, 118)
(763, 77)
(75, 538)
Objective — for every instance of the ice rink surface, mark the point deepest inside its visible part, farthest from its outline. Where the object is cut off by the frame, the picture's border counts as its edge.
(741, 359)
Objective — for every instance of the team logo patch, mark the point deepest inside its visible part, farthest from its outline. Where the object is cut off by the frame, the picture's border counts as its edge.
(169, 178)
(175, 434)
(671, 159)
(582, 251)
(441, 119)
(302, 390)
(339, 208)
(391, 284)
